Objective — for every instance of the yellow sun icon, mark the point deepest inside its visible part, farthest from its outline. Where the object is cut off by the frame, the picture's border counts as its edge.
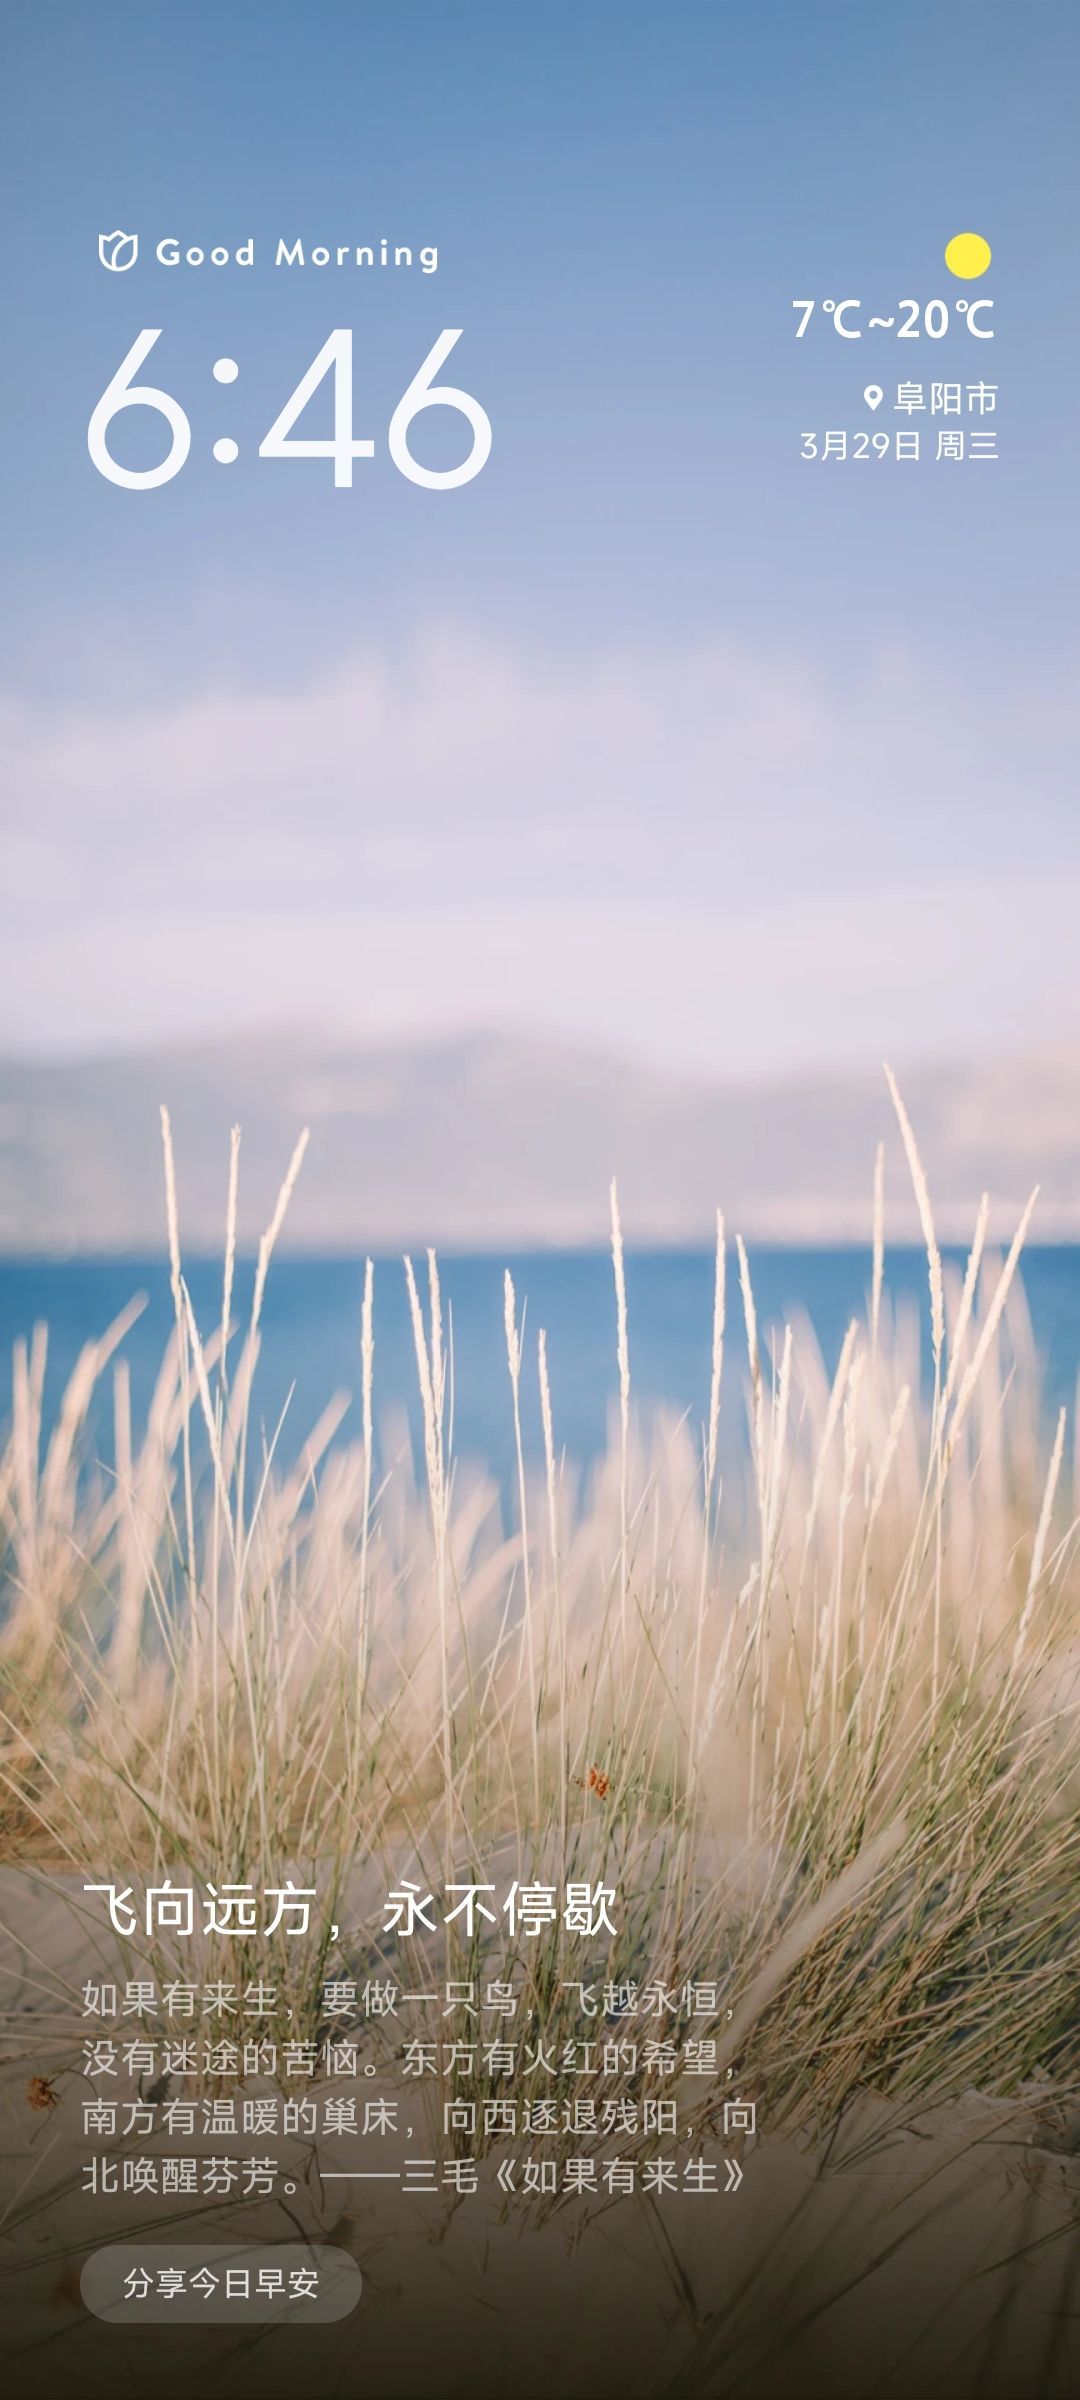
(967, 255)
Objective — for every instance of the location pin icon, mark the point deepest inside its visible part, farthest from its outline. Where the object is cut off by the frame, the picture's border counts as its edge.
(873, 395)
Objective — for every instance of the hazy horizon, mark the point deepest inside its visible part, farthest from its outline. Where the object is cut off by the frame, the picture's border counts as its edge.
(494, 1140)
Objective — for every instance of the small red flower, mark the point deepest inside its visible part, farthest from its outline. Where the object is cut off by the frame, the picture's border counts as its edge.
(41, 2092)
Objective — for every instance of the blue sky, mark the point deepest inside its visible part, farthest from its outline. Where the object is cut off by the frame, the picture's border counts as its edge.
(651, 697)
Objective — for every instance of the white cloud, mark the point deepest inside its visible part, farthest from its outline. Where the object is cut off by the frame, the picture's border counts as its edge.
(701, 852)
(963, 967)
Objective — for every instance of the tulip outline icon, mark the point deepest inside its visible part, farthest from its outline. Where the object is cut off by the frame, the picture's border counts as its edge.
(111, 249)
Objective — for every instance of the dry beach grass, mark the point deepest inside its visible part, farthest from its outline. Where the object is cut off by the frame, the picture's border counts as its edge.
(820, 1734)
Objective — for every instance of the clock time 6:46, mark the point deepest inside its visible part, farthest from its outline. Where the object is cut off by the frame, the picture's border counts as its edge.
(334, 359)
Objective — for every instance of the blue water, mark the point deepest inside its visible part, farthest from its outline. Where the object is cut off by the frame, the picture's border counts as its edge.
(311, 1330)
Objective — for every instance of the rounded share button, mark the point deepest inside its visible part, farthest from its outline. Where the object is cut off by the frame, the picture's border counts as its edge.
(220, 2283)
